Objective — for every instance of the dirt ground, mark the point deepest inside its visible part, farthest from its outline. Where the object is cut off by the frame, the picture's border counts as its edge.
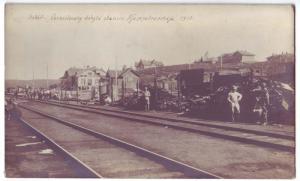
(27, 156)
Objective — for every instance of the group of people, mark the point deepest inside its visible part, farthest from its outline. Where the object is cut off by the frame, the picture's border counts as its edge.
(11, 110)
(234, 97)
(259, 110)
(261, 106)
(39, 94)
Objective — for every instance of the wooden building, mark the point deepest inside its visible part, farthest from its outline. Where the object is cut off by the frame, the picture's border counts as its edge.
(121, 83)
(145, 64)
(237, 57)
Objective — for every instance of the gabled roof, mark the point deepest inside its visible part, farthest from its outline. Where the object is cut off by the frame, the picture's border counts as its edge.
(148, 63)
(126, 70)
(285, 57)
(244, 52)
(227, 54)
(99, 70)
(112, 73)
(73, 70)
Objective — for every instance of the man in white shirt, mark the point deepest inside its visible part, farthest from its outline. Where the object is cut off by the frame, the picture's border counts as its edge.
(107, 100)
(147, 99)
(234, 98)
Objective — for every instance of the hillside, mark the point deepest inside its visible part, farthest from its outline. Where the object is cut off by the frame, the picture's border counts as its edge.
(38, 83)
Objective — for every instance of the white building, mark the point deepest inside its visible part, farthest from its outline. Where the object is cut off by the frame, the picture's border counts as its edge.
(87, 80)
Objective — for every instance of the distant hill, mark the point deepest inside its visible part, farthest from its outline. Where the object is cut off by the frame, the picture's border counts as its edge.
(39, 83)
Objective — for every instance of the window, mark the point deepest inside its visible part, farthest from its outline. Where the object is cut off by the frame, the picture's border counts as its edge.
(206, 77)
(89, 82)
(129, 79)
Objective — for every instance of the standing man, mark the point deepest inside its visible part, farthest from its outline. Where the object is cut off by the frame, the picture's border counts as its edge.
(9, 106)
(234, 97)
(147, 99)
(265, 103)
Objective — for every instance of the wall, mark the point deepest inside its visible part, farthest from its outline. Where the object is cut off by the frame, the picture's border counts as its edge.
(247, 58)
(88, 80)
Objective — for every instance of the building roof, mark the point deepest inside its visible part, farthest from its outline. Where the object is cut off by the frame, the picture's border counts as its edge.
(120, 73)
(112, 73)
(211, 59)
(227, 54)
(244, 52)
(148, 63)
(73, 70)
(171, 76)
(174, 69)
(126, 70)
(284, 57)
(99, 70)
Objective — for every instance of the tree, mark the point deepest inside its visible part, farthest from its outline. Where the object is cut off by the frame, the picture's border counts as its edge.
(66, 83)
(53, 86)
(201, 60)
(73, 81)
(66, 75)
(124, 67)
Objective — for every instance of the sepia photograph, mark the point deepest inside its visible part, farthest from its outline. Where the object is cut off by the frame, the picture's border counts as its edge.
(149, 91)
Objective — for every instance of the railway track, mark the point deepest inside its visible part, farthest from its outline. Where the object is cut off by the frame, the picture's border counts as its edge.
(98, 155)
(278, 141)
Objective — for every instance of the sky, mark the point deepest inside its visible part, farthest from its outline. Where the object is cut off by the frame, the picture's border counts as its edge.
(56, 37)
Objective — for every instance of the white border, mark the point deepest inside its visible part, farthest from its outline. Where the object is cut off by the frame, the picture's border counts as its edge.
(159, 1)
(2, 73)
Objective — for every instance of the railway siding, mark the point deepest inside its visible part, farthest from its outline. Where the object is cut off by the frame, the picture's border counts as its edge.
(213, 155)
(103, 157)
(27, 155)
(271, 141)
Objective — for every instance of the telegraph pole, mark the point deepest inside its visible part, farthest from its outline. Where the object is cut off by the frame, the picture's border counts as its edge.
(221, 62)
(47, 75)
(116, 77)
(155, 87)
(33, 83)
(137, 87)
(100, 85)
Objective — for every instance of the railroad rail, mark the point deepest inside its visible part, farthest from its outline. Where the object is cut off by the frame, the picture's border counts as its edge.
(178, 120)
(259, 138)
(81, 168)
(173, 166)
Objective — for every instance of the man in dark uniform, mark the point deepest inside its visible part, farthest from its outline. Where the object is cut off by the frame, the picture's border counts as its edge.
(262, 104)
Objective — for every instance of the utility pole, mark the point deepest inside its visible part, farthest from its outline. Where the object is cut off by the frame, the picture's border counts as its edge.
(116, 77)
(123, 89)
(221, 62)
(33, 83)
(179, 90)
(100, 85)
(155, 87)
(137, 87)
(47, 75)
(77, 95)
